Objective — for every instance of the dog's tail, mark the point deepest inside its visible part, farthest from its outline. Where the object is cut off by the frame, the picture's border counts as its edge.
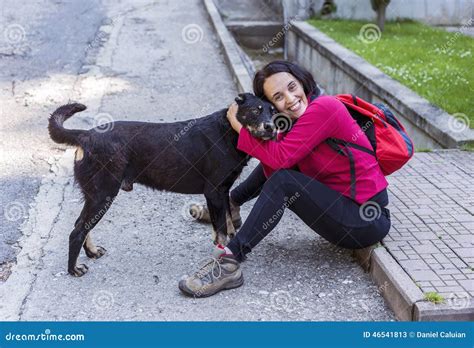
(57, 132)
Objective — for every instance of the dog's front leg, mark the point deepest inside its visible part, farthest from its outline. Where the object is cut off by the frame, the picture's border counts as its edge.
(230, 228)
(219, 211)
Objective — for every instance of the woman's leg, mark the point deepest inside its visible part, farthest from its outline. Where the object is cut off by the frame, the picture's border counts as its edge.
(332, 215)
(250, 187)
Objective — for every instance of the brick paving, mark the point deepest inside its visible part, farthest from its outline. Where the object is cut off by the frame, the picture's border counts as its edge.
(432, 209)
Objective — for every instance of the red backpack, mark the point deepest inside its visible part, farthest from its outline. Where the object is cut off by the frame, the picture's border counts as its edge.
(391, 145)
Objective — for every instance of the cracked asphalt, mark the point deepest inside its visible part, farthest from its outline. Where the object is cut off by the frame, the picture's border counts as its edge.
(156, 61)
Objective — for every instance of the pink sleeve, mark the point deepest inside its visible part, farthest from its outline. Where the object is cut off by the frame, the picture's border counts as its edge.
(320, 121)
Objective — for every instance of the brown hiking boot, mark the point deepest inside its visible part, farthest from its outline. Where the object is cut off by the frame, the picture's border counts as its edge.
(221, 272)
(201, 213)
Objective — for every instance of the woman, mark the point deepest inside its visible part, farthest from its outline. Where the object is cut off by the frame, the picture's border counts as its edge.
(302, 172)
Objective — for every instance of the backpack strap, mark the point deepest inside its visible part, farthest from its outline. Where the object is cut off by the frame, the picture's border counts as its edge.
(353, 145)
(335, 144)
(342, 147)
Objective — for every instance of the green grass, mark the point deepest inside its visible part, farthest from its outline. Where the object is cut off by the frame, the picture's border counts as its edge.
(468, 147)
(434, 297)
(434, 63)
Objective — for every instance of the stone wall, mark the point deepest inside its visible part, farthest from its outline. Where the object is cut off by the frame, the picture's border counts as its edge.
(435, 12)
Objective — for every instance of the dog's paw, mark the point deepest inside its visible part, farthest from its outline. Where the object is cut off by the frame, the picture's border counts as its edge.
(79, 270)
(127, 186)
(100, 251)
(221, 239)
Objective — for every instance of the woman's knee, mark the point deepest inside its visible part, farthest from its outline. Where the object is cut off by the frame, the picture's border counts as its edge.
(279, 177)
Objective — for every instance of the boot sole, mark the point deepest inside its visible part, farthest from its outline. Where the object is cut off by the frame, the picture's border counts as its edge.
(231, 285)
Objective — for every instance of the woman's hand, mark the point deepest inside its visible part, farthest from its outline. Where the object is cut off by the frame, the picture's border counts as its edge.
(232, 117)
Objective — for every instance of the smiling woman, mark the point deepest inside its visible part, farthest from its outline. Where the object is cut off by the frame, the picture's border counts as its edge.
(299, 170)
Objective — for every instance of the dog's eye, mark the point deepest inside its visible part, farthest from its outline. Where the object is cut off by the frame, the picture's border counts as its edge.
(260, 107)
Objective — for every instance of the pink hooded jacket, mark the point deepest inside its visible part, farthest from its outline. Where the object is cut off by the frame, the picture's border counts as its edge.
(304, 146)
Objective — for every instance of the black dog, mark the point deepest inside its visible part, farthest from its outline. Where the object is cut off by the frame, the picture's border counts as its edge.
(194, 156)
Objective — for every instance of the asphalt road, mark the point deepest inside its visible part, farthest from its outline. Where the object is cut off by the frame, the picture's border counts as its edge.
(42, 49)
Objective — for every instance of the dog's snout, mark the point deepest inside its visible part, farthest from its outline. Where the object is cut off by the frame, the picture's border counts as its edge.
(268, 126)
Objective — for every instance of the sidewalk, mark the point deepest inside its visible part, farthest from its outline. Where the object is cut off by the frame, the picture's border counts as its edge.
(432, 235)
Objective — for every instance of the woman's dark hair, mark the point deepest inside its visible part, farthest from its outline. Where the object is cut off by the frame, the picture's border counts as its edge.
(277, 66)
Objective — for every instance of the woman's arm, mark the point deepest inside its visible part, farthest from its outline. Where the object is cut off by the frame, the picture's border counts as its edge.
(320, 121)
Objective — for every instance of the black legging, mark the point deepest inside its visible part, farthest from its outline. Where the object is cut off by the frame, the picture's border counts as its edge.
(335, 217)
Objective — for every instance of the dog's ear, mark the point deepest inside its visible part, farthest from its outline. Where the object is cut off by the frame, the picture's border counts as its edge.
(243, 97)
(240, 99)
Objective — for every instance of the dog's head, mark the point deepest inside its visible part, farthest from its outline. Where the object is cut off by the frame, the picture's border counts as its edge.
(256, 115)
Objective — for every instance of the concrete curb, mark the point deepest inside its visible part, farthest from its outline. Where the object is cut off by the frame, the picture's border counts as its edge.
(401, 292)
(230, 49)
(36, 233)
(430, 119)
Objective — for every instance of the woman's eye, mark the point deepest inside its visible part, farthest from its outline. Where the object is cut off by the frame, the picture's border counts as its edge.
(292, 87)
(277, 98)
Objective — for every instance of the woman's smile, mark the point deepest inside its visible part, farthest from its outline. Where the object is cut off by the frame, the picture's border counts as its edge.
(295, 106)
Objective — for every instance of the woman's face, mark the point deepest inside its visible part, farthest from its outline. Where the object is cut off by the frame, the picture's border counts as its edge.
(286, 93)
